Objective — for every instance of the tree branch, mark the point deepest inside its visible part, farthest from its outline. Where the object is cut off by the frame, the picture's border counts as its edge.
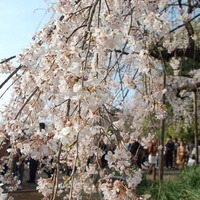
(7, 59)
(188, 52)
(29, 98)
(10, 76)
(189, 87)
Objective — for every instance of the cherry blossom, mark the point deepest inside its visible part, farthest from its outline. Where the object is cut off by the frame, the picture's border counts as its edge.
(2, 194)
(93, 74)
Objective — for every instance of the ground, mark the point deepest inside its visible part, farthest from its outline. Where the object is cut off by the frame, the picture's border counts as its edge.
(28, 192)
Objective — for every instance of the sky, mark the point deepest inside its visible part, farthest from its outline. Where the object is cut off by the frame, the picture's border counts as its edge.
(19, 21)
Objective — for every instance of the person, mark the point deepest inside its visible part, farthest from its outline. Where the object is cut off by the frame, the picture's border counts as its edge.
(3, 153)
(137, 153)
(126, 143)
(152, 149)
(176, 145)
(169, 149)
(182, 154)
(191, 161)
(190, 148)
(193, 154)
(17, 166)
(33, 164)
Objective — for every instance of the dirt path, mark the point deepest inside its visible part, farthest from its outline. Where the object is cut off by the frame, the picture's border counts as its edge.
(169, 174)
(29, 190)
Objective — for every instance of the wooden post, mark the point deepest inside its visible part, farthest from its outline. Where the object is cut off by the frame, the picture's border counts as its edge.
(161, 151)
(162, 133)
(154, 173)
(195, 126)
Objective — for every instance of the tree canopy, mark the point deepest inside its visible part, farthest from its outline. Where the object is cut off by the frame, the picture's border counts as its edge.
(91, 57)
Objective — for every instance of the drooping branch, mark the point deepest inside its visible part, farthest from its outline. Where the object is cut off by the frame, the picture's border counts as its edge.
(10, 76)
(56, 173)
(29, 98)
(33, 106)
(192, 53)
(10, 86)
(91, 14)
(7, 59)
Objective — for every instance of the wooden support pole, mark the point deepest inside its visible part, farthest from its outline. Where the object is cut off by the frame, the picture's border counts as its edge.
(162, 134)
(195, 126)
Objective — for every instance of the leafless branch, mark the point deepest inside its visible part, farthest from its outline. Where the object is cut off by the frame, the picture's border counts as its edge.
(10, 76)
(29, 98)
(7, 59)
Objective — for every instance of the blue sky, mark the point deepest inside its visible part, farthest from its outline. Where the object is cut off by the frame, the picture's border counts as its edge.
(19, 20)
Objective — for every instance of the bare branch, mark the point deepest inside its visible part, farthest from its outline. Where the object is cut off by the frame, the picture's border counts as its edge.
(10, 86)
(10, 76)
(7, 59)
(29, 98)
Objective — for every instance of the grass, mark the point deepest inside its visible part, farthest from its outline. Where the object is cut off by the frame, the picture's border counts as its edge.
(185, 187)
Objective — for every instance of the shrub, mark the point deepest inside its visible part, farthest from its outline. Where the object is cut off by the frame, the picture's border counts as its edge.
(185, 187)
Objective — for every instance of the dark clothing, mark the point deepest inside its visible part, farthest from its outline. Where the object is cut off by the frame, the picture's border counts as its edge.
(33, 165)
(169, 154)
(169, 159)
(137, 153)
(17, 166)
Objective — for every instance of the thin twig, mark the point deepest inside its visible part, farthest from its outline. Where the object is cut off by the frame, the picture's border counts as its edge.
(10, 86)
(29, 98)
(74, 168)
(56, 173)
(33, 106)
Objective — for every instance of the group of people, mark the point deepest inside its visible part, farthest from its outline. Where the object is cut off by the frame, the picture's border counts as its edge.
(177, 153)
(21, 162)
(18, 167)
(182, 153)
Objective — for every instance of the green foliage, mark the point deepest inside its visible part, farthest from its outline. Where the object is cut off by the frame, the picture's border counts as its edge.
(180, 131)
(188, 65)
(186, 187)
(150, 123)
